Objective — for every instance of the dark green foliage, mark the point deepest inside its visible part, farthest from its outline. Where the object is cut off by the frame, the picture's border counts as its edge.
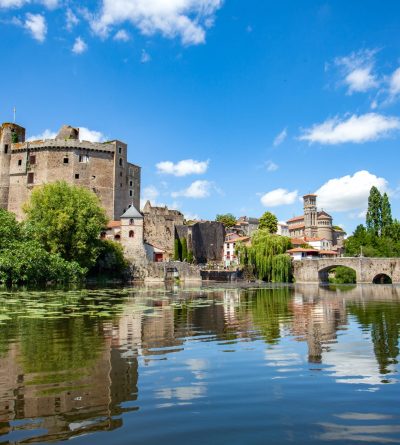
(177, 250)
(381, 237)
(184, 250)
(374, 213)
(343, 275)
(10, 229)
(190, 257)
(67, 220)
(14, 137)
(269, 222)
(26, 262)
(267, 256)
(386, 219)
(111, 262)
(228, 220)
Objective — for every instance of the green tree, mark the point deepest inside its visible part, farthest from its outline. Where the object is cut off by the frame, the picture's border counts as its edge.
(10, 229)
(386, 219)
(184, 250)
(26, 262)
(269, 221)
(228, 220)
(177, 249)
(111, 262)
(374, 213)
(267, 257)
(344, 275)
(66, 220)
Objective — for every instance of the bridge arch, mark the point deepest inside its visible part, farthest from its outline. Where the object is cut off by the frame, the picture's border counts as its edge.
(324, 274)
(382, 278)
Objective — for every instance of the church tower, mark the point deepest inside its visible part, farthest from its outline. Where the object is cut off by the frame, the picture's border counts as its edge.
(310, 215)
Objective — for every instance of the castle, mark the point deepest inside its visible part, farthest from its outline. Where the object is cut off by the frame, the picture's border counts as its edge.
(100, 167)
(315, 225)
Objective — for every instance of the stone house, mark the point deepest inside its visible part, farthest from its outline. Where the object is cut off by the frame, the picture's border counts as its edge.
(100, 167)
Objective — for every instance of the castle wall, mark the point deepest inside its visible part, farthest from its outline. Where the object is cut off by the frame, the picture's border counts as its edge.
(99, 167)
(159, 227)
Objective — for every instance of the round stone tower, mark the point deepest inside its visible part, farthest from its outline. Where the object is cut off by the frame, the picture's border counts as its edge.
(310, 215)
(9, 134)
(325, 226)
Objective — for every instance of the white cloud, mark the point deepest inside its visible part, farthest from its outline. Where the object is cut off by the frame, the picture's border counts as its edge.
(187, 19)
(279, 197)
(271, 166)
(84, 135)
(349, 193)
(145, 57)
(122, 36)
(51, 4)
(355, 129)
(280, 137)
(394, 83)
(79, 46)
(183, 168)
(151, 194)
(198, 189)
(357, 69)
(47, 134)
(12, 3)
(90, 135)
(71, 19)
(36, 25)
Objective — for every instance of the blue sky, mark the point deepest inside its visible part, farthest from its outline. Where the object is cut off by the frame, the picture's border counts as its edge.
(264, 100)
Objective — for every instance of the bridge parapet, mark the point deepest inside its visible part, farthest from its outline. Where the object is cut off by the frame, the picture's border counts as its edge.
(367, 269)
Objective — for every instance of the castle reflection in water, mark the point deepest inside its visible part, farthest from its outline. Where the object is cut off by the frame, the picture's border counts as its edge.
(76, 375)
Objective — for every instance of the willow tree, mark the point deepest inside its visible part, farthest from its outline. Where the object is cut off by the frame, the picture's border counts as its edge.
(267, 257)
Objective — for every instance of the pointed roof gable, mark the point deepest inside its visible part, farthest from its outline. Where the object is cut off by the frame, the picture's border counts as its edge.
(132, 213)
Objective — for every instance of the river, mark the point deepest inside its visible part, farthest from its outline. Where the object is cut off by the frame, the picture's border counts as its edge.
(209, 365)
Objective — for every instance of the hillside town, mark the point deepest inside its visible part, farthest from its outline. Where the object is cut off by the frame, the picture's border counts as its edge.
(150, 234)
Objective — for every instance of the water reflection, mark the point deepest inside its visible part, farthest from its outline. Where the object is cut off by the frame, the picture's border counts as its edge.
(77, 363)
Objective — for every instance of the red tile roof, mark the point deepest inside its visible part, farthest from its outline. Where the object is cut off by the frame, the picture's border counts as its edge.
(113, 224)
(295, 218)
(301, 249)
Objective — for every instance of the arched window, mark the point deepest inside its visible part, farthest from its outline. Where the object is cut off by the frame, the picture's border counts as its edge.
(131, 234)
(117, 237)
(131, 221)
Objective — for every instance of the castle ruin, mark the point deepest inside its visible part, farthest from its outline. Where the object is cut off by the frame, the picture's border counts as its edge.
(100, 167)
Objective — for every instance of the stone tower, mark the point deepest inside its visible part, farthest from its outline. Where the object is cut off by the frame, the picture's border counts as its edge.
(325, 229)
(310, 215)
(9, 134)
(132, 236)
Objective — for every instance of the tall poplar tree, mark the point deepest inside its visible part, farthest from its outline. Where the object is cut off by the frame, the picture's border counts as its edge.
(374, 213)
(387, 220)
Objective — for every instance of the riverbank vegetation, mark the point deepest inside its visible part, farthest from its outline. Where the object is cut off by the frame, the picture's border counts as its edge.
(59, 239)
(266, 257)
(380, 236)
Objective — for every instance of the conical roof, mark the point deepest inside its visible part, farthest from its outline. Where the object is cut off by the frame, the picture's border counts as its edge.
(132, 213)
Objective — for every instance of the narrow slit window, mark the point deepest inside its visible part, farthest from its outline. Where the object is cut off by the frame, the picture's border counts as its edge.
(6, 148)
(19, 162)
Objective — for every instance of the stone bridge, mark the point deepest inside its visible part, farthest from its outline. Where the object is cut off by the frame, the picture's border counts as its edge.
(368, 270)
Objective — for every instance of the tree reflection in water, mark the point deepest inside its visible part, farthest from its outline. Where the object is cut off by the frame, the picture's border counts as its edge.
(73, 361)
